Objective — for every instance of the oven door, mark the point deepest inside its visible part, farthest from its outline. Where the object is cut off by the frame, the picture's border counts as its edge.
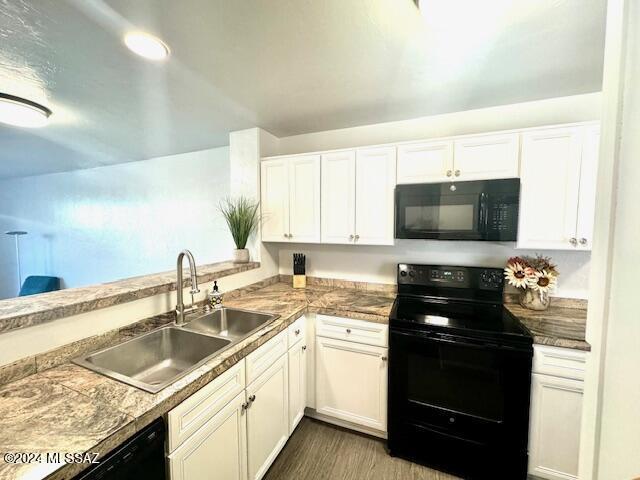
(435, 212)
(459, 388)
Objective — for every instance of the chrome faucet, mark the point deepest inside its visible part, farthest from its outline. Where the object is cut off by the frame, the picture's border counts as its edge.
(180, 310)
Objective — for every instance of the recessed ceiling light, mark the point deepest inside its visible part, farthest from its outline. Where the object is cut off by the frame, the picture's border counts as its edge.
(22, 112)
(147, 46)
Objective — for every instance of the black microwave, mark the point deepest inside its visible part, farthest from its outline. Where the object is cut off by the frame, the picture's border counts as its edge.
(475, 210)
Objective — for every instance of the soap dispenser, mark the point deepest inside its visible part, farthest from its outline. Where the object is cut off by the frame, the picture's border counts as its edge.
(215, 297)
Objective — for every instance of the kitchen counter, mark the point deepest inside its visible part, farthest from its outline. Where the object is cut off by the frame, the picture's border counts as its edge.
(71, 409)
(557, 326)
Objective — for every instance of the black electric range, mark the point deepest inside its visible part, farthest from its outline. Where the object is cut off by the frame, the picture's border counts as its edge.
(459, 373)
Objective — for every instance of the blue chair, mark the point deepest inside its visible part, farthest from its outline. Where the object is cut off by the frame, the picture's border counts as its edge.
(39, 284)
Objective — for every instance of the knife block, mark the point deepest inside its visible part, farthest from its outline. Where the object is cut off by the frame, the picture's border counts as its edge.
(299, 281)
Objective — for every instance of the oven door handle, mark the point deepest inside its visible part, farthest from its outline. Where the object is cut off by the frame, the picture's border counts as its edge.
(458, 341)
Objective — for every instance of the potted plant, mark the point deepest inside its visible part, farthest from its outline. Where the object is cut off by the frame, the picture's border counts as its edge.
(535, 277)
(242, 217)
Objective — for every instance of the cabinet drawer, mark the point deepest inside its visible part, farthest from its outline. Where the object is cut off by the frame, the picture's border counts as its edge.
(559, 362)
(359, 331)
(185, 419)
(261, 359)
(297, 331)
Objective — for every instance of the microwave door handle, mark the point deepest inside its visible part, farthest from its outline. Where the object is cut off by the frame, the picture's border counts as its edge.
(484, 212)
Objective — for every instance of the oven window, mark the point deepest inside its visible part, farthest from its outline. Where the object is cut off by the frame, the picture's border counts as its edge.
(457, 378)
(440, 217)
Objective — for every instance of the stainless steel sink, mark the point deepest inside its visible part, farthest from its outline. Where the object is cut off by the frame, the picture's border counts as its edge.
(229, 323)
(153, 361)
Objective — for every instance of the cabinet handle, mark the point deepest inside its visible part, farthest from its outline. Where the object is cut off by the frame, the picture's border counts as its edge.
(304, 347)
(384, 358)
(357, 237)
(573, 241)
(457, 173)
(252, 398)
(348, 330)
(583, 241)
(297, 332)
(285, 235)
(245, 405)
(449, 173)
(351, 237)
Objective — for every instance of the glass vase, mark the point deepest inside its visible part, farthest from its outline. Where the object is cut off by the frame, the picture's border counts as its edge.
(534, 300)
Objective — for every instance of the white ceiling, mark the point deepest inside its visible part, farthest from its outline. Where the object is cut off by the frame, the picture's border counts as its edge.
(289, 66)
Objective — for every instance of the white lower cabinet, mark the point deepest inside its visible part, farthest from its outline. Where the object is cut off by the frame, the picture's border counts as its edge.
(351, 382)
(267, 417)
(297, 384)
(556, 411)
(217, 450)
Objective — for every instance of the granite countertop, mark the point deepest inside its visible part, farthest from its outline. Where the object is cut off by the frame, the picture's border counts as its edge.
(71, 409)
(557, 326)
(34, 310)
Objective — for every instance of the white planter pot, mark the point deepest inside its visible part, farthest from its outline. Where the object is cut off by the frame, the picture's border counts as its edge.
(241, 255)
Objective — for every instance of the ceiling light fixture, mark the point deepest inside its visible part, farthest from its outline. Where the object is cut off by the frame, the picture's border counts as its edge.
(147, 46)
(21, 112)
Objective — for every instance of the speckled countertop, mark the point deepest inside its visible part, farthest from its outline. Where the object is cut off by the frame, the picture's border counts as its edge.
(557, 326)
(71, 409)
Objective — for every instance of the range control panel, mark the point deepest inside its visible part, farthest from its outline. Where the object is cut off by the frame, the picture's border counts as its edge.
(451, 277)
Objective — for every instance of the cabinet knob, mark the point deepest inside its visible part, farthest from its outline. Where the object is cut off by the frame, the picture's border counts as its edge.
(252, 398)
(304, 347)
(573, 241)
(297, 332)
(449, 173)
(351, 237)
(348, 330)
(583, 241)
(245, 405)
(457, 173)
(357, 237)
(286, 235)
(384, 358)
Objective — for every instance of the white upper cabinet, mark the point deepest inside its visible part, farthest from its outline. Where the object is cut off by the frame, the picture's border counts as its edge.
(588, 177)
(375, 184)
(304, 198)
(427, 162)
(486, 157)
(553, 202)
(274, 193)
(290, 198)
(357, 196)
(338, 197)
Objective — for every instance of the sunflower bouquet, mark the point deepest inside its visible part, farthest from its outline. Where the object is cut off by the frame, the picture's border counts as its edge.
(535, 276)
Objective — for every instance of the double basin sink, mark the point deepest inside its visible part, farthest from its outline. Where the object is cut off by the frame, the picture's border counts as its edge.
(153, 361)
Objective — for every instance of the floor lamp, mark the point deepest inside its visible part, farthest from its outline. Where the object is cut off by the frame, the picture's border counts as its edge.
(17, 234)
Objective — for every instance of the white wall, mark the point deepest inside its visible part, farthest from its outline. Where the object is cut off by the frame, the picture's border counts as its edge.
(377, 264)
(618, 442)
(576, 108)
(107, 223)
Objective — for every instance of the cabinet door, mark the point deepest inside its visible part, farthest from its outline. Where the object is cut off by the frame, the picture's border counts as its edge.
(588, 179)
(554, 433)
(351, 382)
(297, 384)
(338, 197)
(274, 200)
(267, 417)
(550, 179)
(218, 449)
(375, 184)
(428, 162)
(486, 157)
(304, 199)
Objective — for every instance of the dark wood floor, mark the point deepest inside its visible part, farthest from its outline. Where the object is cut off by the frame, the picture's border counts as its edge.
(318, 451)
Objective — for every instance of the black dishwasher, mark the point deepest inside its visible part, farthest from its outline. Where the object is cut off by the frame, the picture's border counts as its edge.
(140, 457)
